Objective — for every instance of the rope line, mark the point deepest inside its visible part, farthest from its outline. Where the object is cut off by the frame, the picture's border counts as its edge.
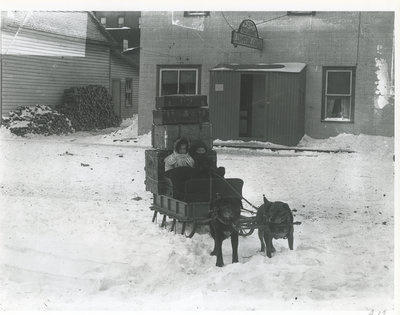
(223, 15)
(275, 18)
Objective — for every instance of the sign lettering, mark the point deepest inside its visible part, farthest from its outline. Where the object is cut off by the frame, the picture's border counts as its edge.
(247, 35)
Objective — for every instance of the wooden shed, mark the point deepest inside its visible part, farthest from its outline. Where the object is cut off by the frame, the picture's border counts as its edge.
(263, 102)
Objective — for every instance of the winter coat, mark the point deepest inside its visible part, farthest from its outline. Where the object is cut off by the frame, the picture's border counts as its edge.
(176, 159)
(201, 160)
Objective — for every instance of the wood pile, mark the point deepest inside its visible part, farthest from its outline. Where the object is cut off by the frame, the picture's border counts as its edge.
(37, 119)
(89, 107)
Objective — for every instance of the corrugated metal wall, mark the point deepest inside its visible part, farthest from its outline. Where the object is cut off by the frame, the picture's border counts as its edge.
(122, 70)
(259, 117)
(278, 114)
(283, 109)
(224, 105)
(32, 79)
(301, 115)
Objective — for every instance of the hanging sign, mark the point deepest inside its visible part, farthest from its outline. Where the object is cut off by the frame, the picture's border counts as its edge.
(247, 35)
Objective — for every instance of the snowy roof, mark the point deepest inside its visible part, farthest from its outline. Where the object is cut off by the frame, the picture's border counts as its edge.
(118, 28)
(261, 67)
(77, 24)
(132, 49)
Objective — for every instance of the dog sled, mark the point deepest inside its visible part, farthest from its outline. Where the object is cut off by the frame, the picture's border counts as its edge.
(187, 116)
(193, 210)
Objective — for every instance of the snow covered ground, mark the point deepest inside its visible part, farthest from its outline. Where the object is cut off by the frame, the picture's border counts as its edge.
(76, 230)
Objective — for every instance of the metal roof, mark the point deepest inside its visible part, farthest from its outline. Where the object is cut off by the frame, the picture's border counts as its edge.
(294, 67)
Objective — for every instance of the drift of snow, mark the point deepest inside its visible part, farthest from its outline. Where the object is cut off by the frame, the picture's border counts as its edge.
(76, 230)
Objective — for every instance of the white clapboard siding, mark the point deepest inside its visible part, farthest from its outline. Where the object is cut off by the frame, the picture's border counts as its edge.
(120, 69)
(26, 42)
(33, 79)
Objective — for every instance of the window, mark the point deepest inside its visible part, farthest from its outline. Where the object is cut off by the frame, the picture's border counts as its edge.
(178, 80)
(196, 13)
(338, 94)
(312, 13)
(125, 44)
(128, 92)
(121, 21)
(103, 20)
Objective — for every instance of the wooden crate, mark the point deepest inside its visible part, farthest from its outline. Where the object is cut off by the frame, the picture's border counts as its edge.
(159, 187)
(164, 136)
(180, 116)
(154, 163)
(155, 166)
(177, 101)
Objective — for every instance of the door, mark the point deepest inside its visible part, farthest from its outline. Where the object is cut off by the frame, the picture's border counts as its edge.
(246, 99)
(258, 108)
(224, 98)
(116, 96)
(252, 106)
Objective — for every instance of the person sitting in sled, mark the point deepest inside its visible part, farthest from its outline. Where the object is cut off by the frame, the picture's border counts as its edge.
(179, 167)
(202, 163)
(180, 157)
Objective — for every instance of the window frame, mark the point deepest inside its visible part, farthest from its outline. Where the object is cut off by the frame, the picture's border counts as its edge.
(128, 92)
(196, 13)
(125, 41)
(301, 13)
(123, 21)
(105, 21)
(179, 68)
(325, 95)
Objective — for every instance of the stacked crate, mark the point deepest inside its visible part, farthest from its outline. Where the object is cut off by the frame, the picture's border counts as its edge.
(175, 116)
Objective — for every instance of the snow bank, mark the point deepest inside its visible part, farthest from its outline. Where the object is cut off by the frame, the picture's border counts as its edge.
(359, 143)
(76, 230)
(5, 133)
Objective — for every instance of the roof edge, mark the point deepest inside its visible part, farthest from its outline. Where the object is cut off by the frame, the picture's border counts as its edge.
(292, 67)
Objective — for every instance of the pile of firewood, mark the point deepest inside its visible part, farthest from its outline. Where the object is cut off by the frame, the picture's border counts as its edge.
(37, 119)
(89, 107)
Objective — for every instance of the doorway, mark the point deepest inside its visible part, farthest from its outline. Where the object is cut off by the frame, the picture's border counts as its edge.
(116, 96)
(246, 99)
(252, 112)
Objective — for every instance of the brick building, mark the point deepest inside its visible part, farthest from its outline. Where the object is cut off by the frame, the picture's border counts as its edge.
(347, 58)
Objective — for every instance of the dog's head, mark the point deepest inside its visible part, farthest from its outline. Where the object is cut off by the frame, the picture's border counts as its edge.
(263, 212)
(227, 209)
(274, 212)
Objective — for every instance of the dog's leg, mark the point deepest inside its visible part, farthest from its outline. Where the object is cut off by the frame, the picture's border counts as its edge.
(214, 252)
(218, 249)
(261, 237)
(235, 243)
(290, 238)
(268, 244)
(213, 235)
(272, 245)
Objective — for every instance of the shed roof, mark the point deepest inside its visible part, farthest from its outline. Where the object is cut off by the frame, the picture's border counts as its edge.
(293, 67)
(76, 24)
(118, 54)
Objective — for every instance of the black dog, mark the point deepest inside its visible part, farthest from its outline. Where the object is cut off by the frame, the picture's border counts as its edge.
(277, 220)
(225, 213)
